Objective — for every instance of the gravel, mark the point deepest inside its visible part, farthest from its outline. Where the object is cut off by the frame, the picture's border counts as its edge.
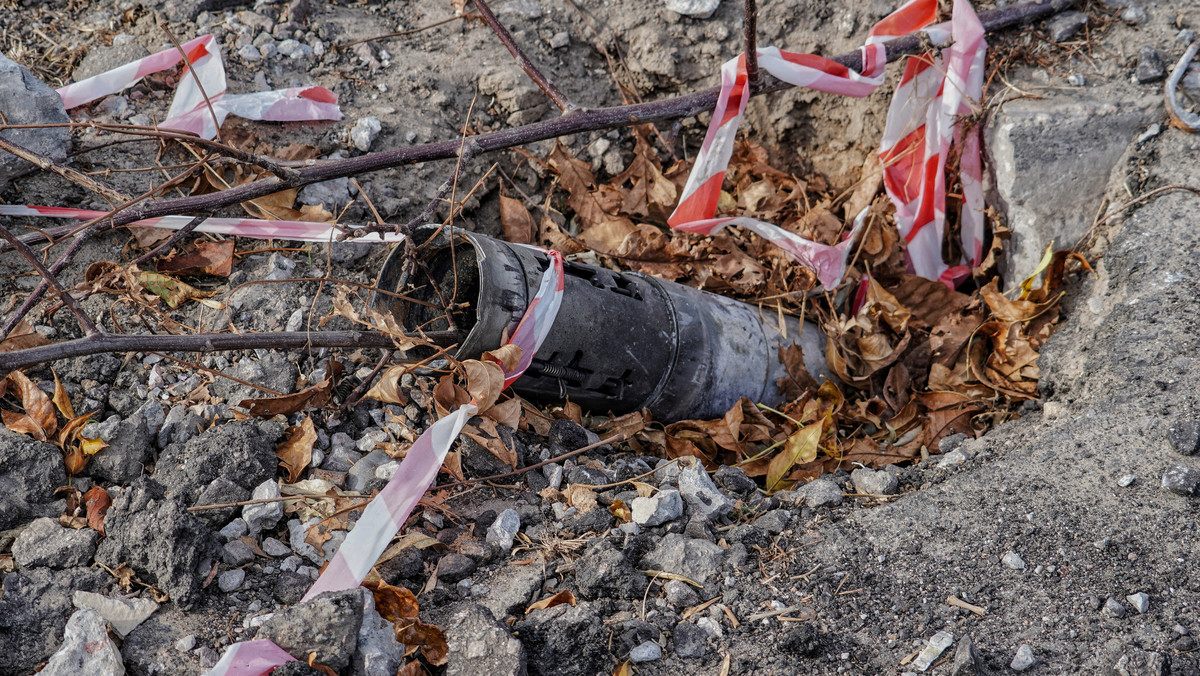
(1023, 659)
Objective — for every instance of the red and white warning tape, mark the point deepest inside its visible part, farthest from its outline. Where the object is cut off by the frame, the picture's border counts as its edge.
(697, 207)
(189, 110)
(301, 231)
(386, 514)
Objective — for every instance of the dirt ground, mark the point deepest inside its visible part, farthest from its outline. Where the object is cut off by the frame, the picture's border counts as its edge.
(1073, 487)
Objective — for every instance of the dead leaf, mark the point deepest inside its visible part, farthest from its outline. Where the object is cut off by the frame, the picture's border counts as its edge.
(623, 669)
(580, 497)
(96, 501)
(295, 451)
(171, 290)
(61, 401)
(485, 380)
(387, 388)
(800, 447)
(429, 638)
(22, 337)
(314, 395)
(38, 420)
(203, 257)
(564, 596)
(621, 511)
(516, 221)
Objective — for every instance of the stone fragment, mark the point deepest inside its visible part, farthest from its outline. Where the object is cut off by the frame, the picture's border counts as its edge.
(237, 553)
(1184, 437)
(1144, 663)
(733, 479)
(363, 134)
(510, 589)
(86, 649)
(361, 476)
(265, 515)
(691, 642)
(1150, 66)
(231, 580)
(378, 652)
(454, 567)
(774, 521)
(274, 547)
(646, 652)
(605, 572)
(1114, 608)
(694, 558)
(933, 650)
(123, 615)
(1140, 602)
(327, 625)
(504, 529)
(129, 449)
(479, 644)
(699, 9)
(966, 658)
(1023, 659)
(1181, 480)
(572, 639)
(657, 509)
(1013, 560)
(1133, 14)
(24, 99)
(821, 492)
(699, 490)
(46, 543)
(1064, 26)
(30, 470)
(874, 482)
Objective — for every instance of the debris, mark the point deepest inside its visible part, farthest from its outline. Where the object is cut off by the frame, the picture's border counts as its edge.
(1013, 560)
(1140, 602)
(1133, 14)
(821, 493)
(699, 9)
(123, 615)
(699, 490)
(959, 603)
(327, 625)
(263, 516)
(504, 529)
(1064, 26)
(45, 543)
(363, 134)
(1113, 608)
(967, 661)
(1126, 481)
(479, 644)
(231, 580)
(24, 99)
(1150, 66)
(86, 649)
(1180, 117)
(874, 482)
(1181, 480)
(937, 645)
(1023, 659)
(664, 506)
(693, 558)
(1184, 437)
(649, 651)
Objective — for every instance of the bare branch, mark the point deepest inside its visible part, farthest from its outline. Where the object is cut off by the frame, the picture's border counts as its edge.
(48, 277)
(564, 104)
(751, 29)
(75, 176)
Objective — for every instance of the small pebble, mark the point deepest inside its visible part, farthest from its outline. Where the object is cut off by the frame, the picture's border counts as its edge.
(1140, 602)
(230, 580)
(186, 643)
(1133, 14)
(646, 652)
(1014, 561)
(1113, 608)
(1023, 659)
(1127, 480)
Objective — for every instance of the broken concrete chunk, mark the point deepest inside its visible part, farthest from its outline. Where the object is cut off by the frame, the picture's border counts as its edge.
(699, 490)
(937, 645)
(821, 493)
(123, 615)
(1150, 66)
(1181, 480)
(86, 649)
(700, 9)
(327, 625)
(24, 99)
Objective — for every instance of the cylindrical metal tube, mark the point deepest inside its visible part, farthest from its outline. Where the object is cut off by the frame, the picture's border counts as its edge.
(622, 341)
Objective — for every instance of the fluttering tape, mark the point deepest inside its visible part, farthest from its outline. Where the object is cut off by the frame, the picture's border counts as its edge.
(387, 512)
(697, 206)
(189, 111)
(301, 231)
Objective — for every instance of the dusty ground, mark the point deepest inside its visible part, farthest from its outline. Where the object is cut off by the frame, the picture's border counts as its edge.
(869, 578)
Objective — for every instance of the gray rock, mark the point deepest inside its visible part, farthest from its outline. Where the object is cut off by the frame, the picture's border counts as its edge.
(157, 536)
(514, 93)
(1126, 481)
(378, 653)
(699, 490)
(604, 572)
(1150, 66)
(123, 615)
(363, 134)
(966, 658)
(510, 589)
(1140, 602)
(272, 369)
(327, 625)
(1143, 663)
(1181, 480)
(570, 435)
(691, 642)
(1023, 659)
(454, 567)
(129, 449)
(179, 426)
(774, 521)
(1114, 608)
(334, 195)
(250, 54)
(1049, 171)
(680, 594)
(955, 458)
(408, 563)
(1064, 26)
(478, 644)
(234, 529)
(504, 529)
(46, 543)
(341, 459)
(24, 99)
(646, 652)
(657, 509)
(1184, 437)
(1013, 560)
(588, 476)
(566, 640)
(237, 553)
(693, 558)
(275, 548)
(34, 609)
(361, 476)
(821, 492)
(265, 515)
(700, 9)
(1133, 14)
(231, 580)
(874, 482)
(242, 452)
(220, 491)
(86, 649)
(30, 470)
(734, 480)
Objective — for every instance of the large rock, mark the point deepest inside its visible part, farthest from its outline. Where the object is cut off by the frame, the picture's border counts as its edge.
(34, 609)
(242, 452)
(46, 543)
(479, 644)
(1050, 162)
(24, 99)
(327, 625)
(693, 558)
(129, 449)
(605, 572)
(160, 540)
(378, 653)
(565, 640)
(30, 470)
(86, 649)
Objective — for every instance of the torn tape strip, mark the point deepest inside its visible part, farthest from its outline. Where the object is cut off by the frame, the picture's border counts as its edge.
(190, 110)
(385, 515)
(301, 231)
(698, 204)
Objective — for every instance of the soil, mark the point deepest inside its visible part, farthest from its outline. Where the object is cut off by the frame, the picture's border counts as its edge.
(869, 578)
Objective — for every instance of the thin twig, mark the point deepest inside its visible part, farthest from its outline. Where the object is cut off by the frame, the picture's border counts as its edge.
(204, 342)
(603, 442)
(410, 31)
(48, 277)
(554, 93)
(751, 42)
(171, 241)
(187, 65)
(75, 176)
